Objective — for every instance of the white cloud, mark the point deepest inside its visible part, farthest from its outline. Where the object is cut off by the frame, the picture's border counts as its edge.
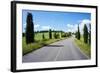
(86, 21)
(82, 23)
(24, 24)
(45, 27)
(69, 26)
(73, 28)
(36, 26)
(24, 27)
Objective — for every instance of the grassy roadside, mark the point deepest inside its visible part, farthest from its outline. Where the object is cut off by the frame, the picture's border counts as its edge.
(86, 48)
(38, 44)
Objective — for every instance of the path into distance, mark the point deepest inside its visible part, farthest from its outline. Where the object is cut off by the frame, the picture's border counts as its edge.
(58, 51)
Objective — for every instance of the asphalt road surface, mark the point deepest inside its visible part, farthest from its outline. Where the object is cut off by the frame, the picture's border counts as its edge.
(58, 51)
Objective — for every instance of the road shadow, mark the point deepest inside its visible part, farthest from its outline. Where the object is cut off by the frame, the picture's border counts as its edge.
(54, 45)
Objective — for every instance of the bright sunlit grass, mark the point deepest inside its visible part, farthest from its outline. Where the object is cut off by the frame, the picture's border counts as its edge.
(38, 43)
(86, 48)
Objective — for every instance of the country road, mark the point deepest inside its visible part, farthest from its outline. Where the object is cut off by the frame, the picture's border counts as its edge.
(58, 51)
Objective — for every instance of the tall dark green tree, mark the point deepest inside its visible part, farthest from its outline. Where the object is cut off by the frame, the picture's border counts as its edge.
(55, 35)
(29, 29)
(78, 33)
(89, 33)
(50, 34)
(43, 37)
(23, 34)
(85, 34)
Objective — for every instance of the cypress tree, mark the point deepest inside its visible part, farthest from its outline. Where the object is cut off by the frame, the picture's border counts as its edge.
(50, 34)
(29, 29)
(23, 34)
(85, 34)
(55, 35)
(89, 33)
(61, 34)
(43, 37)
(78, 34)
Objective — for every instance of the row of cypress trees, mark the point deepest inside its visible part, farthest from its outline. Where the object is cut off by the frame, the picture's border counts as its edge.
(86, 34)
(55, 35)
(30, 30)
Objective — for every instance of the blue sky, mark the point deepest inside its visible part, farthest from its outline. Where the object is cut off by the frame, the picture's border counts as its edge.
(65, 21)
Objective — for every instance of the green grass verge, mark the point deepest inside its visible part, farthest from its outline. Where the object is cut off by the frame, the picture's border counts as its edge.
(36, 45)
(86, 48)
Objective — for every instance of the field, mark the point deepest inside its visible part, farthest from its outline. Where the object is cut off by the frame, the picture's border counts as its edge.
(39, 41)
(86, 48)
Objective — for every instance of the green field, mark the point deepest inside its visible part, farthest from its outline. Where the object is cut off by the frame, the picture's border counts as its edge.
(86, 48)
(39, 42)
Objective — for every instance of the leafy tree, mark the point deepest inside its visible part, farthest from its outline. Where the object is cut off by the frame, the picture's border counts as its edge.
(78, 34)
(85, 34)
(56, 35)
(68, 34)
(64, 35)
(50, 34)
(29, 29)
